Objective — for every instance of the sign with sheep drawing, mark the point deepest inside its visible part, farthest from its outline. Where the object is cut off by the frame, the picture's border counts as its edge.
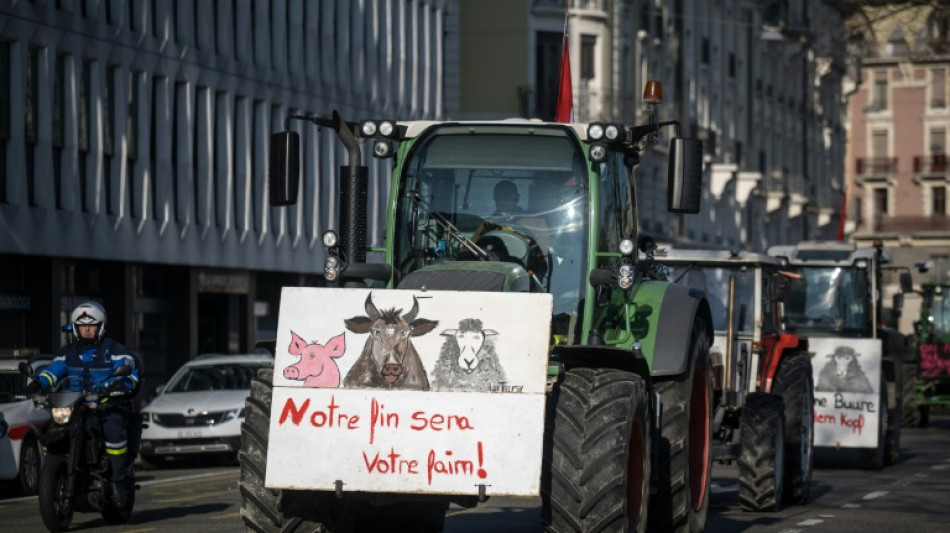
(847, 375)
(409, 391)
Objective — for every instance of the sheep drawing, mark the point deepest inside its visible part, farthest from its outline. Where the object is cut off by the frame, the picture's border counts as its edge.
(467, 360)
(842, 373)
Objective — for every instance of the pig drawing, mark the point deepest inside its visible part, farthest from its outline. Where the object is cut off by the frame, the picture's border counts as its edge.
(317, 365)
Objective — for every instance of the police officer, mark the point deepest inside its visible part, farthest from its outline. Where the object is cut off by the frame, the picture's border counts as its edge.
(86, 364)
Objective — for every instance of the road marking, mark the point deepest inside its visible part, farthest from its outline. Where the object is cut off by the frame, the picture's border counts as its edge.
(810, 522)
(718, 489)
(921, 475)
(196, 496)
(939, 467)
(851, 505)
(875, 494)
(827, 515)
(185, 478)
(140, 530)
(790, 531)
(216, 517)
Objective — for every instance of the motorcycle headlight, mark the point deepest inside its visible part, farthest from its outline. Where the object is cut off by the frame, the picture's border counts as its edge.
(61, 414)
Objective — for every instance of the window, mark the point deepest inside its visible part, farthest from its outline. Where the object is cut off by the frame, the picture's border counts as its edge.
(588, 46)
(880, 203)
(85, 130)
(108, 150)
(880, 91)
(732, 65)
(938, 201)
(59, 110)
(938, 89)
(30, 123)
(879, 143)
(704, 51)
(131, 138)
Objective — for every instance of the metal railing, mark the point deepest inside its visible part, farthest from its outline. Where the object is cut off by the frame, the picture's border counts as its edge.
(875, 165)
(926, 164)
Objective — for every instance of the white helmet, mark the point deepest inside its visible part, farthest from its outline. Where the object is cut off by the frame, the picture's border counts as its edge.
(86, 314)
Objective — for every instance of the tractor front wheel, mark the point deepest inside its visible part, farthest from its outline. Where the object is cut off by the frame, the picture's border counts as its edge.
(794, 383)
(596, 468)
(681, 502)
(761, 462)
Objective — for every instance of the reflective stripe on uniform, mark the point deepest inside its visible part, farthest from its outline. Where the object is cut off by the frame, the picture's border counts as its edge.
(119, 451)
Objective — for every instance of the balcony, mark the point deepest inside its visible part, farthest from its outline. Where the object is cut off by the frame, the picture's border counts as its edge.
(908, 224)
(870, 166)
(930, 164)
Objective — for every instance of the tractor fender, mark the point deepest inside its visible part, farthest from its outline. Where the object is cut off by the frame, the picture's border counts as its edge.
(674, 328)
(626, 359)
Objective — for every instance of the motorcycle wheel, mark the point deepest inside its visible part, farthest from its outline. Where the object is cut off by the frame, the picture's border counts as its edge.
(56, 514)
(115, 516)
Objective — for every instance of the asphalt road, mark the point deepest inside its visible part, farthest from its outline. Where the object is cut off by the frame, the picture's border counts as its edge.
(909, 496)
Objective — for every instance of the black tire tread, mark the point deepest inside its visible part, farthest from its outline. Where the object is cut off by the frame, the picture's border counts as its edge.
(49, 500)
(762, 417)
(671, 505)
(590, 418)
(910, 414)
(794, 373)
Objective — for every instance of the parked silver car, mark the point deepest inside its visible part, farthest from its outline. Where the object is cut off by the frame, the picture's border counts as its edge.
(200, 410)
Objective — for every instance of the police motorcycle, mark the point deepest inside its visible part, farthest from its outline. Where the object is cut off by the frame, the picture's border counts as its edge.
(75, 476)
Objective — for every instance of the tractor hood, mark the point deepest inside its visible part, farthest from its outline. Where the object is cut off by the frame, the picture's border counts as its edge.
(491, 276)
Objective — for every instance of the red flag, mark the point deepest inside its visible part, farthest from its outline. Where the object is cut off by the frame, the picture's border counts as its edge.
(565, 97)
(841, 218)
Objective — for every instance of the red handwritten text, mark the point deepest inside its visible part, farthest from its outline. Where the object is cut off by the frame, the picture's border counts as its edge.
(391, 463)
(856, 424)
(934, 362)
(437, 422)
(328, 418)
(446, 465)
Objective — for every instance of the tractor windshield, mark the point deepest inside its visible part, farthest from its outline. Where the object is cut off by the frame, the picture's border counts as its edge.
(938, 315)
(828, 298)
(714, 281)
(497, 192)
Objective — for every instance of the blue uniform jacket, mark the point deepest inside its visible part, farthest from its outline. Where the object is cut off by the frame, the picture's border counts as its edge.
(100, 358)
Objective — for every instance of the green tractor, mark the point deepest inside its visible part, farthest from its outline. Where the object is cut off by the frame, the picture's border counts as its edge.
(503, 209)
(932, 335)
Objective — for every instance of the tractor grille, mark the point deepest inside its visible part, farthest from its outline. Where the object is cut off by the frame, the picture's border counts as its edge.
(454, 280)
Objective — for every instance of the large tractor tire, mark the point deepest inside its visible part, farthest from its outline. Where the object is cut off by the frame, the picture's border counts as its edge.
(596, 469)
(293, 511)
(910, 414)
(761, 459)
(681, 501)
(265, 510)
(794, 384)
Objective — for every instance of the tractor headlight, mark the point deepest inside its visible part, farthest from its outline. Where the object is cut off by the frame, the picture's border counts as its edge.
(598, 152)
(330, 239)
(612, 132)
(595, 132)
(368, 128)
(61, 414)
(382, 149)
(332, 262)
(626, 247)
(387, 128)
(625, 282)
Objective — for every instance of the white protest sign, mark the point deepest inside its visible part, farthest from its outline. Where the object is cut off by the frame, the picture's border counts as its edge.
(409, 391)
(847, 374)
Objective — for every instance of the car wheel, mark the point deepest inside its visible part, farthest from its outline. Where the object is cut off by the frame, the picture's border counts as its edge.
(30, 463)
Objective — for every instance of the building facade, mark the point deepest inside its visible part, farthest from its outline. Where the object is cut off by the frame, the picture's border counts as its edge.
(759, 82)
(897, 168)
(134, 152)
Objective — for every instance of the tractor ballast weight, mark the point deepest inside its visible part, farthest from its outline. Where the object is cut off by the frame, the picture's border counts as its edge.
(857, 358)
(625, 419)
(763, 389)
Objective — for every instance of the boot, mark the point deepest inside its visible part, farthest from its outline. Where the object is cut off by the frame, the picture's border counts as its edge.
(117, 494)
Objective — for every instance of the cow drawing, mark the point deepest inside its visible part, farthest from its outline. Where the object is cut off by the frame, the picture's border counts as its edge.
(317, 364)
(389, 360)
(467, 360)
(842, 373)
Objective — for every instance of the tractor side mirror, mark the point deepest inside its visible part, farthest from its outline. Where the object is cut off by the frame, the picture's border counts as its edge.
(284, 172)
(685, 175)
(907, 283)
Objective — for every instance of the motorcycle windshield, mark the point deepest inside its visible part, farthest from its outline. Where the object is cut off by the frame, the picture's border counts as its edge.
(521, 180)
(64, 398)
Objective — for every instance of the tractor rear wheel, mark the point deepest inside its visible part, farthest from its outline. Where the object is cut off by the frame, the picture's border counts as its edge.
(295, 511)
(596, 469)
(267, 510)
(761, 462)
(794, 383)
(911, 415)
(681, 502)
